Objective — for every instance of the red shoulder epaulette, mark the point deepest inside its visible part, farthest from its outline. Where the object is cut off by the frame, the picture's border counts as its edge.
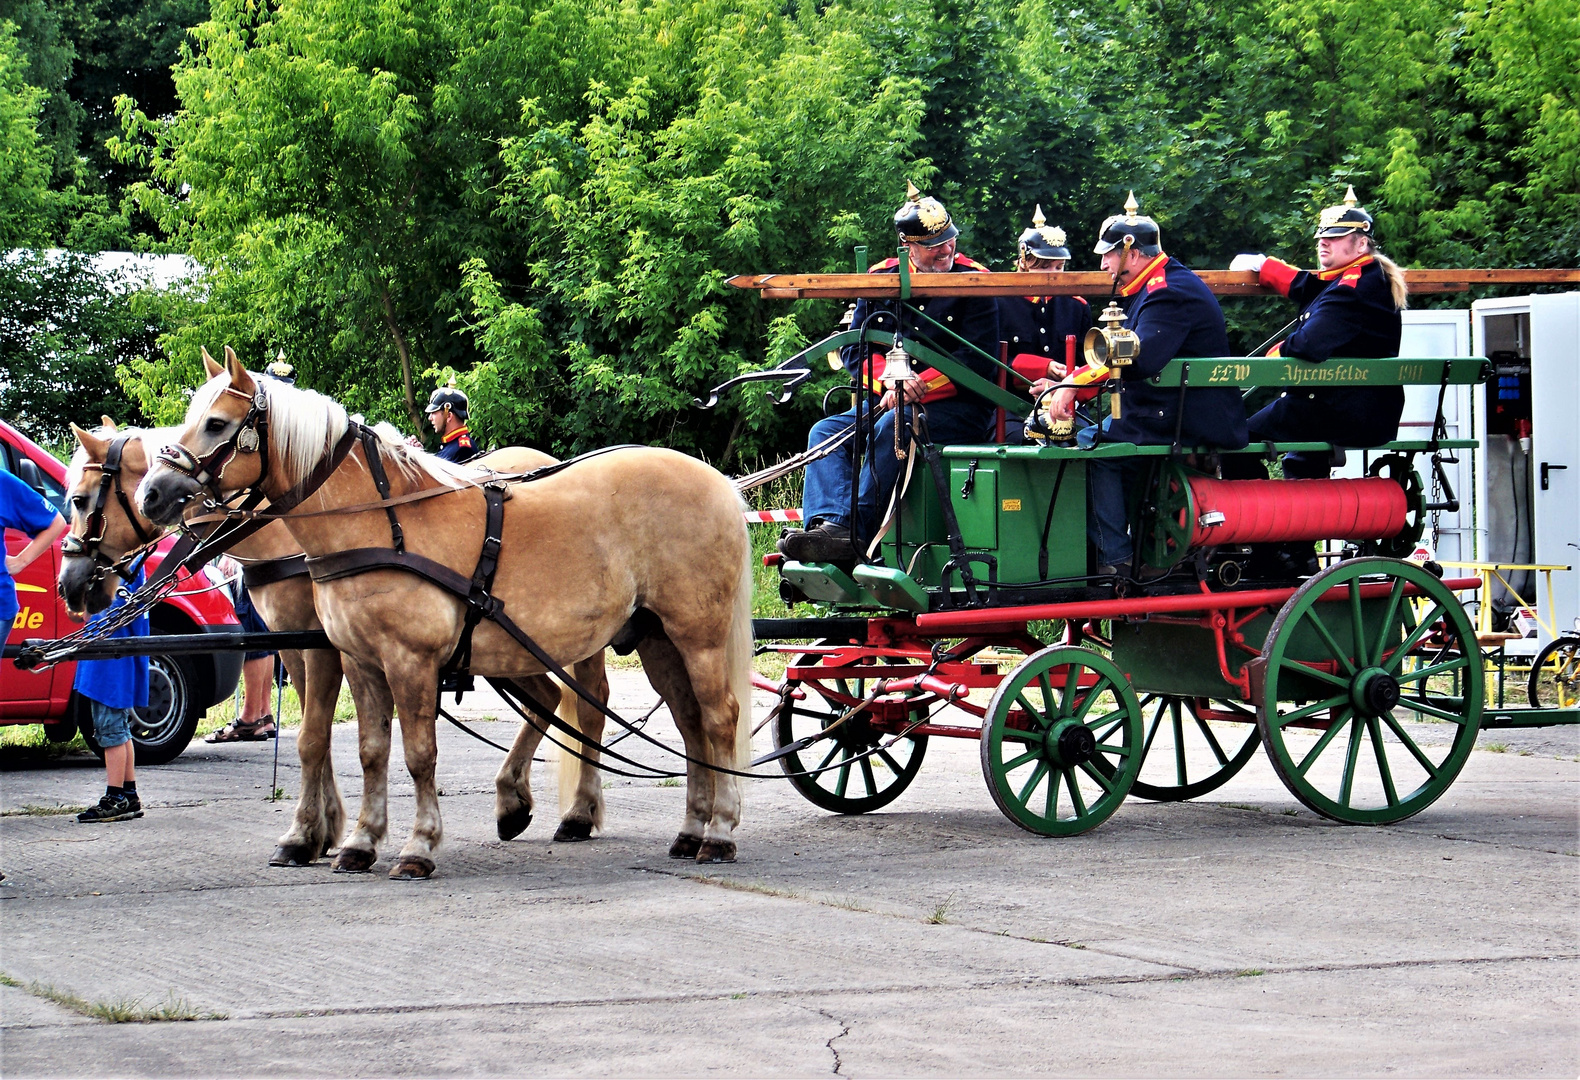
(1159, 280)
(967, 261)
(1082, 299)
(884, 265)
(1349, 277)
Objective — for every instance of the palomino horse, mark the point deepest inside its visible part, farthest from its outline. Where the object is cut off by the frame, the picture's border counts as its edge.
(642, 543)
(286, 603)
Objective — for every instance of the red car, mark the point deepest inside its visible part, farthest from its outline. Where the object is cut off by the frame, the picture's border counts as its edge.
(180, 688)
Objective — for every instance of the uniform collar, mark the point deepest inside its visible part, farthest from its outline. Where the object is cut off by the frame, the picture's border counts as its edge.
(454, 435)
(1139, 282)
(1329, 275)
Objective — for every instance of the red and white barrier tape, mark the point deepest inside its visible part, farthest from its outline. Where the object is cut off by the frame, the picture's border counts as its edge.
(763, 517)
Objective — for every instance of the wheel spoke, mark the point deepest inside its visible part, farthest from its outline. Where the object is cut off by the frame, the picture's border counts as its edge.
(1053, 795)
(1091, 698)
(1357, 624)
(844, 777)
(832, 751)
(1352, 754)
(1075, 792)
(1106, 784)
(1179, 742)
(1374, 729)
(1212, 741)
(866, 775)
(1409, 744)
(1316, 673)
(1030, 755)
(1157, 721)
(1284, 719)
(1435, 669)
(1322, 744)
(1031, 713)
(1392, 610)
(1419, 705)
(885, 757)
(1052, 705)
(1397, 659)
(1333, 646)
(1031, 785)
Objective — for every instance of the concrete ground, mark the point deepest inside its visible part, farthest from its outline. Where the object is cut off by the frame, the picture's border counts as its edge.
(1235, 935)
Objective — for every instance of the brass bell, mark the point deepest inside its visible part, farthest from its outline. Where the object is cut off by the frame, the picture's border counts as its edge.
(1111, 345)
(896, 365)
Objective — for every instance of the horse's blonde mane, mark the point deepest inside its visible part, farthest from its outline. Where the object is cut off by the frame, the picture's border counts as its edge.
(304, 426)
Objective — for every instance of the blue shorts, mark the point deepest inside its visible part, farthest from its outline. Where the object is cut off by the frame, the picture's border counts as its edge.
(112, 726)
(251, 622)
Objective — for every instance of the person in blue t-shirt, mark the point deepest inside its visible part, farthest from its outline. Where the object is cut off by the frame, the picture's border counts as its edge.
(25, 510)
(112, 689)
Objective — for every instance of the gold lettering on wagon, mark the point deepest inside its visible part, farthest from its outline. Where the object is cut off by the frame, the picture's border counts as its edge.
(1307, 374)
(1011, 505)
(1229, 374)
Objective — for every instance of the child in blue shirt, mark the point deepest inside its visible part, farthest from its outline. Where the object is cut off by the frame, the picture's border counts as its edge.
(113, 688)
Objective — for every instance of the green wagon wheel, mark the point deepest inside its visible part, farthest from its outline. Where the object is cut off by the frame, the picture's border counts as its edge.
(1339, 671)
(1060, 756)
(855, 782)
(1555, 675)
(1182, 757)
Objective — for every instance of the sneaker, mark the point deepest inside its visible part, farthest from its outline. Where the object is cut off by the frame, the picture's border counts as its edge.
(113, 808)
(823, 542)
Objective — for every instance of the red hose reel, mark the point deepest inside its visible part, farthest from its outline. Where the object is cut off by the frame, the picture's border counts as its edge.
(1261, 511)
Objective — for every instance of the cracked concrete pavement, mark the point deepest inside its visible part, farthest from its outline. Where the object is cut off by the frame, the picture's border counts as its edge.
(1234, 935)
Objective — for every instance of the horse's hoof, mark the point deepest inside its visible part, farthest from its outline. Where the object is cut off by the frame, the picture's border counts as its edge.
(571, 830)
(716, 851)
(412, 868)
(354, 861)
(685, 847)
(293, 855)
(326, 848)
(515, 823)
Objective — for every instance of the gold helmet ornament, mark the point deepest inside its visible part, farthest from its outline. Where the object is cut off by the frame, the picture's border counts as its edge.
(1345, 218)
(1042, 241)
(1130, 230)
(923, 220)
(281, 370)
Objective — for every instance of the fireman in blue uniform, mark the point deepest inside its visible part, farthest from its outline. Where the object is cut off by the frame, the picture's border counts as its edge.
(1349, 308)
(953, 415)
(1175, 315)
(447, 413)
(1036, 326)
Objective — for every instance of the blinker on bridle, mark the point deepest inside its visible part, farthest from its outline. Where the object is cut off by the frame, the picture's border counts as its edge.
(250, 437)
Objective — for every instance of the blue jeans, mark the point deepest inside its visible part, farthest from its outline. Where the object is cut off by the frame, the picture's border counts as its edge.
(829, 479)
(1109, 482)
(111, 726)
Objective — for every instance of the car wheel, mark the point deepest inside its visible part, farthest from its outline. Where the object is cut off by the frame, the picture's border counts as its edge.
(162, 730)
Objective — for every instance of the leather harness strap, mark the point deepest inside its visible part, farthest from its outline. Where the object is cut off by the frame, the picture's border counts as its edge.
(370, 450)
(268, 571)
(479, 601)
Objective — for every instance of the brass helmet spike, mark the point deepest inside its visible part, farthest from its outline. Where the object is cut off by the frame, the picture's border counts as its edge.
(1131, 207)
(911, 194)
(1349, 196)
(1037, 219)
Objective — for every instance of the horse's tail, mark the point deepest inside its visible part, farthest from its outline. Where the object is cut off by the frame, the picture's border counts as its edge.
(738, 657)
(570, 766)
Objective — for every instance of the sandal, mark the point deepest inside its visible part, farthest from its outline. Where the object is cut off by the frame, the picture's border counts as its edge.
(240, 731)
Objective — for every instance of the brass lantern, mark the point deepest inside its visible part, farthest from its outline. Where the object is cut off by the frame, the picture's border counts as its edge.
(1111, 345)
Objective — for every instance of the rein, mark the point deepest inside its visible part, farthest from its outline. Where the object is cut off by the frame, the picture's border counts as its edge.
(88, 546)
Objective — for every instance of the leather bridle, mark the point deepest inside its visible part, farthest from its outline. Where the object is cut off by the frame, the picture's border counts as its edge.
(250, 437)
(90, 543)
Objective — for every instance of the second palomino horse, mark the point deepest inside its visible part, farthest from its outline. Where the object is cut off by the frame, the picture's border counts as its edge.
(640, 540)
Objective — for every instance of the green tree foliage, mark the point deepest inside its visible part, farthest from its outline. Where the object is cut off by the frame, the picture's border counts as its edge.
(24, 159)
(543, 198)
(66, 329)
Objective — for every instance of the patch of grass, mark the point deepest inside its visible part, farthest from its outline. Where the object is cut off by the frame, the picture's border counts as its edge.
(120, 1010)
(22, 743)
(668, 781)
(289, 713)
(844, 903)
(737, 885)
(1243, 806)
(33, 810)
(1496, 748)
(1290, 813)
(940, 913)
(277, 795)
(1249, 973)
(737, 997)
(1074, 945)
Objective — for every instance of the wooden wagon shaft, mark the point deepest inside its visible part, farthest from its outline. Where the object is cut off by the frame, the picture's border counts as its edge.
(1092, 283)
